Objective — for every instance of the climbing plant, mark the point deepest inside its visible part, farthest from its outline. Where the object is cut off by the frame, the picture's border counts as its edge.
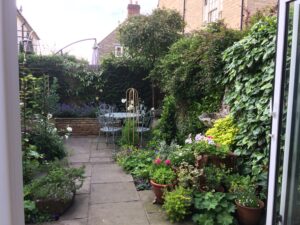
(249, 68)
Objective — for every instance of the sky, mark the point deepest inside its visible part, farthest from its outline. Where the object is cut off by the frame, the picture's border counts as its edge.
(61, 22)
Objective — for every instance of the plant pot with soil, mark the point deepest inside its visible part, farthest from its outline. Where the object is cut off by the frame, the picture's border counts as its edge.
(249, 207)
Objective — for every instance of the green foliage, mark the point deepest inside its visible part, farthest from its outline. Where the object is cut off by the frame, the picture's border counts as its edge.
(249, 66)
(77, 81)
(213, 209)
(149, 37)
(190, 69)
(167, 123)
(129, 134)
(183, 154)
(60, 183)
(121, 73)
(188, 176)
(214, 177)
(162, 175)
(223, 131)
(246, 196)
(178, 204)
(30, 161)
(135, 161)
(164, 151)
(45, 137)
(203, 147)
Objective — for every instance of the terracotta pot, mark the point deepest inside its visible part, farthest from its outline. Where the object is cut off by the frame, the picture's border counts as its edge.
(249, 216)
(54, 206)
(158, 190)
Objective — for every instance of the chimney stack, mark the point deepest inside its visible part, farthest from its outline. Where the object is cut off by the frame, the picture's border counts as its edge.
(133, 9)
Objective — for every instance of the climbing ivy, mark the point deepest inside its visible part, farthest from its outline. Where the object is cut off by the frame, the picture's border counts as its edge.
(250, 72)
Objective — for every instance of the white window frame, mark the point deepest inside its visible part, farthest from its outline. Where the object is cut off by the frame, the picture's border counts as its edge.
(116, 51)
(11, 190)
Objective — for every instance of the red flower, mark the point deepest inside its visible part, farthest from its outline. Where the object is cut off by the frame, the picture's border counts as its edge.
(210, 137)
(157, 161)
(168, 162)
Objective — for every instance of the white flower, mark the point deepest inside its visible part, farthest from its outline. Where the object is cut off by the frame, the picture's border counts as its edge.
(21, 103)
(152, 109)
(49, 116)
(66, 136)
(130, 108)
(123, 100)
(54, 129)
(189, 139)
(131, 102)
(69, 129)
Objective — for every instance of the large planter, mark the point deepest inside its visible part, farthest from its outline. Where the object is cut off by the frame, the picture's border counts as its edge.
(249, 216)
(80, 126)
(54, 207)
(158, 190)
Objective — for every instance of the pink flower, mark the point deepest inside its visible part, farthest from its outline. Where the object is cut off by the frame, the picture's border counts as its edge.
(210, 137)
(157, 161)
(168, 162)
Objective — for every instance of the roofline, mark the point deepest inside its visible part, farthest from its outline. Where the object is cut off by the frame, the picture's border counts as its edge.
(25, 21)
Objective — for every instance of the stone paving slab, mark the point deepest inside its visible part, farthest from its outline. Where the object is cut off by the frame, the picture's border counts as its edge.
(86, 187)
(101, 154)
(79, 158)
(113, 192)
(102, 160)
(109, 173)
(161, 219)
(69, 222)
(147, 198)
(79, 210)
(124, 213)
(87, 169)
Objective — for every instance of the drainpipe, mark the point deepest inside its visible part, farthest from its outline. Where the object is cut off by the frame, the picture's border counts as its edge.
(242, 14)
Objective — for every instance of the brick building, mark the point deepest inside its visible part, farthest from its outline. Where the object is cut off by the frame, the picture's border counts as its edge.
(197, 13)
(110, 44)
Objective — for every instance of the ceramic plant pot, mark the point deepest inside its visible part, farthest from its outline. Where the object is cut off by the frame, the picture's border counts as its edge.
(249, 216)
(158, 190)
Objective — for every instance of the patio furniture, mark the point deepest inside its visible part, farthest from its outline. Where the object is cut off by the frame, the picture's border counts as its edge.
(108, 127)
(145, 124)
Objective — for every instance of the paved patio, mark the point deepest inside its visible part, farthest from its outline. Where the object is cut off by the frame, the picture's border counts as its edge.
(108, 195)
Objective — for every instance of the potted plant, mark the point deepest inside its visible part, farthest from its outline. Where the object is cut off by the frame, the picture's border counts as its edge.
(249, 207)
(54, 193)
(162, 176)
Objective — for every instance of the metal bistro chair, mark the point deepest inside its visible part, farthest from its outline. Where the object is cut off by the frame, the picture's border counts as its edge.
(145, 125)
(108, 127)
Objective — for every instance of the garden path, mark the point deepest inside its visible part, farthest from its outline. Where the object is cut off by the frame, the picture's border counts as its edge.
(108, 195)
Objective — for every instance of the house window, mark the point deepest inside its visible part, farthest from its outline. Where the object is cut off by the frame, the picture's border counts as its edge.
(118, 51)
(213, 10)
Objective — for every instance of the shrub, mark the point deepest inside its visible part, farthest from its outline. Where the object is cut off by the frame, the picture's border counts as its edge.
(162, 173)
(60, 183)
(214, 208)
(178, 203)
(167, 123)
(47, 140)
(223, 131)
(71, 110)
(189, 176)
(183, 154)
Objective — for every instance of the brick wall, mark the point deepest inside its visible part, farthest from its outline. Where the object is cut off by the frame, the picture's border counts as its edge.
(193, 15)
(232, 13)
(80, 126)
(107, 45)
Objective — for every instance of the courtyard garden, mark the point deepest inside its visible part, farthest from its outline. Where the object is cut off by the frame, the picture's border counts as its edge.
(208, 94)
